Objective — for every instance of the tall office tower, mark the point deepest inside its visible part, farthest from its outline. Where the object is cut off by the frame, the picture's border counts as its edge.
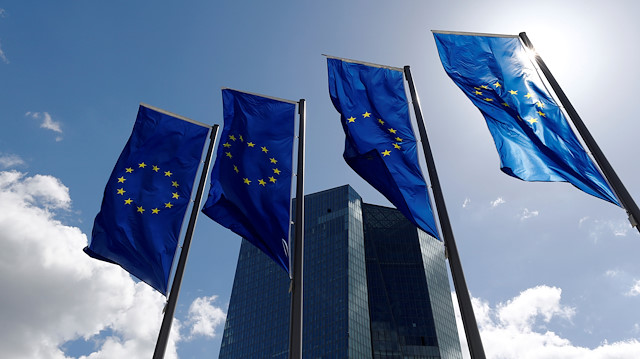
(374, 287)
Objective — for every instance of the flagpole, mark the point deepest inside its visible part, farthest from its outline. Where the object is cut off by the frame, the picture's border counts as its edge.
(623, 195)
(295, 318)
(165, 329)
(464, 299)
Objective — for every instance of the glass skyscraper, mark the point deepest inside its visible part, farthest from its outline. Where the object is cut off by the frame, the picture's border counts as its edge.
(374, 287)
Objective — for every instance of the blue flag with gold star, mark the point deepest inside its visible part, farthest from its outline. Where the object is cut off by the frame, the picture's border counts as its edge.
(532, 135)
(147, 195)
(380, 144)
(250, 189)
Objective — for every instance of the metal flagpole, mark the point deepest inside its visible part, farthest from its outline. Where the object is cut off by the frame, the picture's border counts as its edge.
(464, 299)
(623, 195)
(295, 318)
(165, 329)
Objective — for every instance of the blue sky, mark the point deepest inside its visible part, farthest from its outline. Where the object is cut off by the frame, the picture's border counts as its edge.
(553, 271)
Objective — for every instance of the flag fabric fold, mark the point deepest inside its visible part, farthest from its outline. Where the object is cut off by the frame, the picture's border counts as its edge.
(533, 138)
(380, 144)
(250, 189)
(147, 195)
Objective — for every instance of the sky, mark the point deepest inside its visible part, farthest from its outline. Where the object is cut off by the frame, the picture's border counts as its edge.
(552, 271)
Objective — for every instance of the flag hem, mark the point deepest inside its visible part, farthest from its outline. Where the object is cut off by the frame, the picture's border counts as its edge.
(175, 115)
(471, 34)
(264, 96)
(363, 63)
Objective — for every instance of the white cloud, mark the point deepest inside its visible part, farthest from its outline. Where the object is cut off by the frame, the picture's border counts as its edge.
(603, 228)
(612, 273)
(204, 317)
(635, 289)
(466, 202)
(3, 57)
(497, 202)
(50, 124)
(526, 214)
(8, 160)
(47, 122)
(53, 293)
(517, 329)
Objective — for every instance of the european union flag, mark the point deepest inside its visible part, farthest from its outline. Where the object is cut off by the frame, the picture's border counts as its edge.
(251, 180)
(532, 135)
(147, 195)
(380, 145)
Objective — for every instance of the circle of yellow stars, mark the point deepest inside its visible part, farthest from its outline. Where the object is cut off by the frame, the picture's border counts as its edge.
(391, 132)
(271, 178)
(128, 201)
(482, 91)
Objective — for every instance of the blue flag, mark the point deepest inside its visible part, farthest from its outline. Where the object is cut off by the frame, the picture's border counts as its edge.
(380, 145)
(532, 135)
(251, 180)
(147, 195)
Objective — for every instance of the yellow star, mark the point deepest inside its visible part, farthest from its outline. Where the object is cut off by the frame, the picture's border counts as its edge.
(485, 87)
(505, 104)
(168, 205)
(235, 168)
(142, 165)
(250, 144)
(351, 119)
(241, 139)
(156, 168)
(276, 171)
(488, 99)
(129, 170)
(528, 95)
(366, 114)
(397, 146)
(392, 130)
(386, 153)
(541, 114)
(128, 201)
(380, 121)
(398, 139)
(168, 173)
(140, 209)
(540, 104)
(513, 92)
(229, 154)
(246, 180)
(272, 179)
(232, 137)
(174, 183)
(497, 84)
(226, 145)
(262, 182)
(155, 211)
(264, 149)
(478, 92)
(121, 191)
(273, 160)
(175, 195)
(532, 120)
(121, 179)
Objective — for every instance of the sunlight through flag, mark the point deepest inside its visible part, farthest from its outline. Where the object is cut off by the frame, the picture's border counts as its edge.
(251, 179)
(532, 135)
(147, 195)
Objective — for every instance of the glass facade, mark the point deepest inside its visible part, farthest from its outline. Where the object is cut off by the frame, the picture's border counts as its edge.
(409, 293)
(374, 287)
